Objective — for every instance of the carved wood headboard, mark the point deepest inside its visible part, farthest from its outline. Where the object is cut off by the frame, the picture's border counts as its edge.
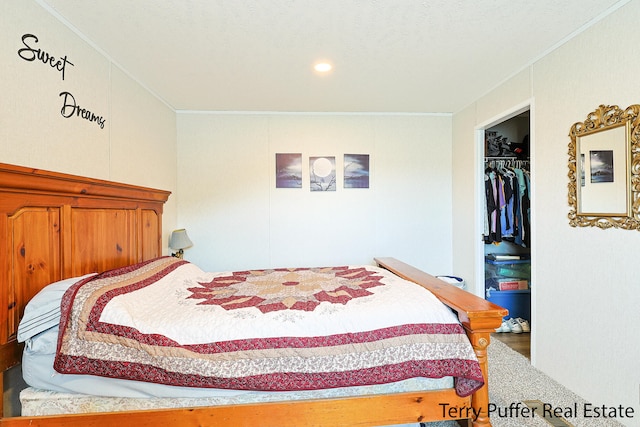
(55, 226)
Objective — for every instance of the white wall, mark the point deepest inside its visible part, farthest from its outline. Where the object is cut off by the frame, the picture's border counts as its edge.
(137, 143)
(238, 219)
(585, 279)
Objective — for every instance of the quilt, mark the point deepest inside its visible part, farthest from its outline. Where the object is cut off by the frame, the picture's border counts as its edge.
(167, 321)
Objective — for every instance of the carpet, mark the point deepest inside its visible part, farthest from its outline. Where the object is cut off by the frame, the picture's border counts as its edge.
(513, 380)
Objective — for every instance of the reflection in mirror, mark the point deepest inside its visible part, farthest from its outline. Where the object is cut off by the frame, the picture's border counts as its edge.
(604, 169)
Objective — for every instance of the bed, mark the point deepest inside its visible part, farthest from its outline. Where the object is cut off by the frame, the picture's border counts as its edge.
(56, 226)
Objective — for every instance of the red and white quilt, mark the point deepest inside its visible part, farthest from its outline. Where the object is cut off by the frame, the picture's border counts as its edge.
(166, 321)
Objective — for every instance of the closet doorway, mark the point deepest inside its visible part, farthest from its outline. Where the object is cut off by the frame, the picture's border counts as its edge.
(506, 228)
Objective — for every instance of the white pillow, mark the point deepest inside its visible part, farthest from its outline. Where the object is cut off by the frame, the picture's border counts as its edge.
(43, 311)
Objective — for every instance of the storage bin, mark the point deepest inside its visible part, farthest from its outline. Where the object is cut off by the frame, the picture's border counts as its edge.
(506, 284)
(517, 302)
(520, 269)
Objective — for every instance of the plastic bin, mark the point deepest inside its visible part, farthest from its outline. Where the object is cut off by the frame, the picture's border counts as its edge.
(520, 269)
(517, 302)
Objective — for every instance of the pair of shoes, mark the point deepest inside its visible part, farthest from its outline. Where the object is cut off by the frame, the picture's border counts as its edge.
(514, 325)
(519, 325)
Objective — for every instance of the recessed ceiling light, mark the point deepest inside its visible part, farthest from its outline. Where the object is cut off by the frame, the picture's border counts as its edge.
(322, 67)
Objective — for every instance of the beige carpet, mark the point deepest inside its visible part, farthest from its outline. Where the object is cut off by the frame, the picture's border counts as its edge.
(512, 379)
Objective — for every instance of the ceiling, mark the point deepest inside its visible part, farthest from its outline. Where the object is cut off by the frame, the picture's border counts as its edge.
(433, 56)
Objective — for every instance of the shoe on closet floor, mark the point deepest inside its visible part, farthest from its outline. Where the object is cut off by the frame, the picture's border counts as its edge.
(524, 324)
(514, 326)
(504, 327)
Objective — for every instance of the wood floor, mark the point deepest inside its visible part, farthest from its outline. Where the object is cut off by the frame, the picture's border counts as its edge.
(519, 342)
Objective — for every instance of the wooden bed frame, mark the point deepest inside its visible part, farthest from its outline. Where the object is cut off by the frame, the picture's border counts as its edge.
(54, 226)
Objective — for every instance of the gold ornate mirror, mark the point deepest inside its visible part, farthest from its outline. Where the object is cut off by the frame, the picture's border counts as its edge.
(604, 169)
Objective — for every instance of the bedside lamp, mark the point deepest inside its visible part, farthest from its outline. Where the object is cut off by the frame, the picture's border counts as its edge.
(180, 241)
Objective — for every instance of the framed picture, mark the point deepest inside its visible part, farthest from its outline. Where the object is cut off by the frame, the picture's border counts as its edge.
(601, 152)
(356, 171)
(288, 170)
(322, 173)
(605, 187)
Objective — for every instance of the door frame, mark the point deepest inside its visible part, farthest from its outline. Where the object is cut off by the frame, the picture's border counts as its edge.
(480, 129)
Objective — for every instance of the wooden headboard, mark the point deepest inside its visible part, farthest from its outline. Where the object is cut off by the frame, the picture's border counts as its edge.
(55, 226)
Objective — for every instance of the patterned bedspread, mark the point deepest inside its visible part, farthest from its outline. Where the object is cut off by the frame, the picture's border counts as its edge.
(167, 321)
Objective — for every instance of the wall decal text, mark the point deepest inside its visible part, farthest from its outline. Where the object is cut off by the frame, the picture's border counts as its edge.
(29, 53)
(70, 109)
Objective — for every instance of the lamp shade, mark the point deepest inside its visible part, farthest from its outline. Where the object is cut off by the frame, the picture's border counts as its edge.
(179, 239)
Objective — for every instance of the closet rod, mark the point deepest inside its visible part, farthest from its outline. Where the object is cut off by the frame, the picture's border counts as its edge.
(505, 158)
(506, 162)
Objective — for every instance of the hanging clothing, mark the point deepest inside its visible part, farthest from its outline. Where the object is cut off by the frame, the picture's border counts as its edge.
(494, 193)
(507, 212)
(507, 203)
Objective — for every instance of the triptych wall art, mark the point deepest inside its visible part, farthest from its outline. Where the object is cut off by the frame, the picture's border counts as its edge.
(322, 171)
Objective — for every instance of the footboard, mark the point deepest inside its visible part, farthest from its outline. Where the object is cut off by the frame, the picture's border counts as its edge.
(479, 318)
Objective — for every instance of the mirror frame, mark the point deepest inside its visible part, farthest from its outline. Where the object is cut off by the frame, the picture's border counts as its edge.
(607, 119)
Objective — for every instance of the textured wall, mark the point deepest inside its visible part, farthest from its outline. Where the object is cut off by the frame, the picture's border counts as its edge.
(229, 203)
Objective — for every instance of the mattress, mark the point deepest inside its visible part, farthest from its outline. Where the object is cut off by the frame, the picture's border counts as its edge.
(37, 402)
